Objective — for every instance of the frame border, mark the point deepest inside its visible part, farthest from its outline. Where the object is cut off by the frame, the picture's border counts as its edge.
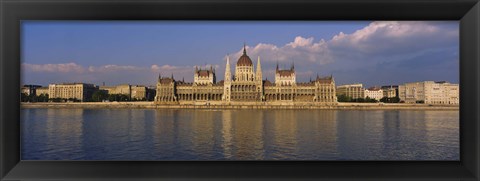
(466, 11)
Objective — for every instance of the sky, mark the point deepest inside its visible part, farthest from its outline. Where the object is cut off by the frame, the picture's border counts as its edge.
(374, 53)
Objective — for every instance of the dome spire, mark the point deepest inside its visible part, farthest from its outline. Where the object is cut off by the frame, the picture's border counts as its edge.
(244, 48)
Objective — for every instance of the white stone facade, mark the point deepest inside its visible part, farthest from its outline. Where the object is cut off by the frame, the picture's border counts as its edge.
(246, 86)
(79, 91)
(429, 92)
(374, 93)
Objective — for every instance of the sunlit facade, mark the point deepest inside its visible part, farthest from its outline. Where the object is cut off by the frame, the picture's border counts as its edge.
(245, 86)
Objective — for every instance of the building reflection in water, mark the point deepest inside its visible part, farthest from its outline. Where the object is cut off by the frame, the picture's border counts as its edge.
(227, 134)
(316, 134)
(200, 134)
(54, 134)
(248, 134)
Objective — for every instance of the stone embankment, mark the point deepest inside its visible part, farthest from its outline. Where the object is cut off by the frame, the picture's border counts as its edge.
(239, 105)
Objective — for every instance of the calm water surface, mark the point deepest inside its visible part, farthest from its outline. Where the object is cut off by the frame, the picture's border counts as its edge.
(171, 134)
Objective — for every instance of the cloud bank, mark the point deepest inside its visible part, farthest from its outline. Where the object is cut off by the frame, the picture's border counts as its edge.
(380, 53)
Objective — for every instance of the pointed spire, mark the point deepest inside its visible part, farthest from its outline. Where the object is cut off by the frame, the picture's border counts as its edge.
(259, 70)
(277, 65)
(227, 69)
(183, 79)
(293, 65)
(244, 48)
(196, 69)
(211, 68)
(310, 78)
(172, 76)
(159, 76)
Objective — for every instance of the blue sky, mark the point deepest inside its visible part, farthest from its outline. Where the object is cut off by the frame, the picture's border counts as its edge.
(116, 52)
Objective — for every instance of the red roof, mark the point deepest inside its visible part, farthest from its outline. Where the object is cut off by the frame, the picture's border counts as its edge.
(268, 83)
(244, 60)
(166, 80)
(203, 73)
(285, 73)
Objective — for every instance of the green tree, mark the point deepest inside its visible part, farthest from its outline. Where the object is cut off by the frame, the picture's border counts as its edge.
(24, 97)
(42, 98)
(368, 99)
(99, 96)
(390, 100)
(344, 98)
(118, 97)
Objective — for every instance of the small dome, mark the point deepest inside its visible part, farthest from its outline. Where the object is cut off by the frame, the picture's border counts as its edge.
(244, 60)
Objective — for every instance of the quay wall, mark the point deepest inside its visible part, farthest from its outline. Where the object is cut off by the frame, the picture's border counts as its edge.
(241, 105)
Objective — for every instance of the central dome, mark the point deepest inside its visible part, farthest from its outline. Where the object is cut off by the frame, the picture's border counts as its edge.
(244, 60)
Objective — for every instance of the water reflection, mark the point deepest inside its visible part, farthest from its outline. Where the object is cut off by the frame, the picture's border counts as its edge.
(170, 134)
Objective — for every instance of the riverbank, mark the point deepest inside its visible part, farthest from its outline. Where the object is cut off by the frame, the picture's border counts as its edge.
(151, 105)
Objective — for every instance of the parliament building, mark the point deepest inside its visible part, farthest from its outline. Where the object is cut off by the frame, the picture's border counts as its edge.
(247, 86)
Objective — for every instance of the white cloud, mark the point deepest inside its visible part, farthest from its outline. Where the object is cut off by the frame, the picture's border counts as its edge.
(379, 44)
(393, 37)
(63, 67)
(301, 49)
(115, 68)
(387, 39)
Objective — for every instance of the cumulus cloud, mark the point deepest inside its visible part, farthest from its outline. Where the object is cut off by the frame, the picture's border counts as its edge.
(301, 49)
(392, 37)
(63, 67)
(380, 38)
(377, 51)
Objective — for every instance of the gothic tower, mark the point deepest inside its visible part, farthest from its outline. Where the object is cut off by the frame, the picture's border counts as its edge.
(228, 82)
(258, 80)
(244, 68)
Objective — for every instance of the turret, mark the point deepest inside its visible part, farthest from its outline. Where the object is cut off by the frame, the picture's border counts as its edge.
(259, 70)
(228, 75)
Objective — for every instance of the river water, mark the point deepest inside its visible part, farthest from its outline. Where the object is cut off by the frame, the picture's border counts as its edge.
(189, 134)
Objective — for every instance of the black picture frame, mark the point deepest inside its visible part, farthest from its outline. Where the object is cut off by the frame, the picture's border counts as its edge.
(12, 12)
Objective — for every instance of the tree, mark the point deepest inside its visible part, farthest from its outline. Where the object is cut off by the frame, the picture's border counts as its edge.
(368, 99)
(99, 96)
(56, 99)
(24, 97)
(118, 97)
(344, 98)
(42, 98)
(390, 100)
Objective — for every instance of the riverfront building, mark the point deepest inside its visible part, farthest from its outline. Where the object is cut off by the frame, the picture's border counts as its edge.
(41, 90)
(374, 93)
(245, 86)
(390, 91)
(353, 91)
(137, 92)
(79, 91)
(29, 89)
(429, 92)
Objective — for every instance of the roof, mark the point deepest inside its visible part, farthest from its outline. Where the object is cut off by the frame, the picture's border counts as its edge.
(244, 60)
(268, 83)
(166, 80)
(203, 73)
(373, 89)
(285, 73)
(305, 84)
(220, 83)
(328, 79)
